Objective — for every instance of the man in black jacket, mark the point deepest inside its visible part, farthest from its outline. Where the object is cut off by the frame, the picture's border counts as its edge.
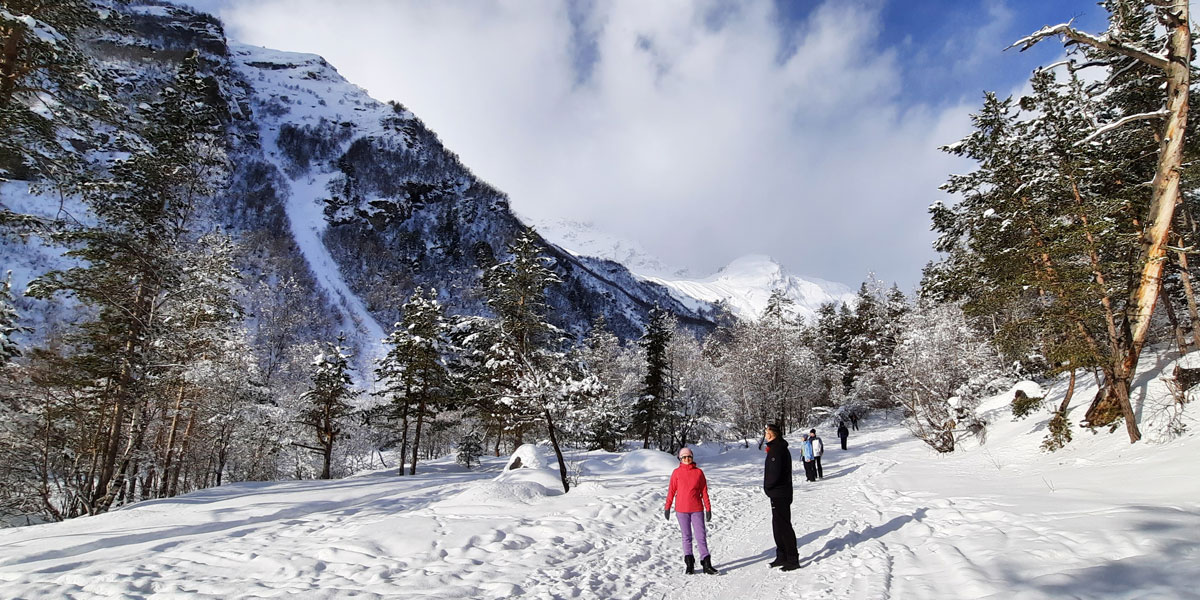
(777, 483)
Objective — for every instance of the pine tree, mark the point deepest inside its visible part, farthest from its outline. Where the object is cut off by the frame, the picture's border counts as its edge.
(328, 400)
(9, 349)
(414, 375)
(1150, 79)
(606, 420)
(656, 392)
(535, 380)
(132, 264)
(470, 448)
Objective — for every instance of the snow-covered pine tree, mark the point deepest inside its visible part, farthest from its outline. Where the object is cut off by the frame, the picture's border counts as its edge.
(656, 394)
(470, 448)
(327, 402)
(413, 374)
(131, 266)
(9, 326)
(605, 421)
(536, 380)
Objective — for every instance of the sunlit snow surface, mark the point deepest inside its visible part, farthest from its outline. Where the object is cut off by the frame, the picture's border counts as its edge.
(891, 519)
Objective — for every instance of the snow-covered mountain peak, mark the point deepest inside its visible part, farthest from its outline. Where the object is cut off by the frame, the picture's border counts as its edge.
(744, 285)
(751, 269)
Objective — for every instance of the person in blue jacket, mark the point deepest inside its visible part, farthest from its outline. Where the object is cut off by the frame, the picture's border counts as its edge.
(810, 464)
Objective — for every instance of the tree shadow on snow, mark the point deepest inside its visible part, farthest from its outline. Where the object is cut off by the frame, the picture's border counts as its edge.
(852, 538)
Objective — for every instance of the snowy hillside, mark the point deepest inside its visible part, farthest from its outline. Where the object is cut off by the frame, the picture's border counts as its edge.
(891, 519)
(744, 285)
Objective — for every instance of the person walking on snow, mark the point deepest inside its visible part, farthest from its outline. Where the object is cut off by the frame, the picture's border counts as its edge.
(806, 452)
(843, 433)
(777, 483)
(818, 448)
(688, 488)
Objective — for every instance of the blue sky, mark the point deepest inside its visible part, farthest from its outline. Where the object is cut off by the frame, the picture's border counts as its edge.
(702, 129)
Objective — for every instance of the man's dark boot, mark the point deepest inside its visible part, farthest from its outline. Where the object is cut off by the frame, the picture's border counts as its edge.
(706, 562)
(690, 561)
(778, 562)
(791, 566)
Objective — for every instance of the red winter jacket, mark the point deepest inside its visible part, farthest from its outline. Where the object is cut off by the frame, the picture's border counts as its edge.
(688, 482)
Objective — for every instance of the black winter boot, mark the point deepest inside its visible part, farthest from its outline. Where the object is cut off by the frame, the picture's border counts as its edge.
(706, 562)
(690, 561)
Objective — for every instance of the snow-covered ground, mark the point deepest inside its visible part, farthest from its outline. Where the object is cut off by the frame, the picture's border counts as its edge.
(891, 519)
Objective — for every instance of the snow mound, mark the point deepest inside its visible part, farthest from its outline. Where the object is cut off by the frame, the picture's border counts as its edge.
(509, 493)
(1031, 389)
(530, 457)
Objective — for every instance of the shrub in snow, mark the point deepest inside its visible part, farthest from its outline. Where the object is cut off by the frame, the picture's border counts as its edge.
(1024, 405)
(1059, 432)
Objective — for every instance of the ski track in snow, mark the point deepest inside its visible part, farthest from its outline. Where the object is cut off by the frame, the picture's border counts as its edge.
(890, 520)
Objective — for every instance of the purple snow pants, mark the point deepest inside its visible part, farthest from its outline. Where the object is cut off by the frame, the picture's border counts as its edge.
(690, 522)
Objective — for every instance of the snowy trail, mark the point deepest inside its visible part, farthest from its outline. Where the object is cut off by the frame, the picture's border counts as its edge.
(890, 520)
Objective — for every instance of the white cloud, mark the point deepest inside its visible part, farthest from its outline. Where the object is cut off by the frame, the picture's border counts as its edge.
(702, 142)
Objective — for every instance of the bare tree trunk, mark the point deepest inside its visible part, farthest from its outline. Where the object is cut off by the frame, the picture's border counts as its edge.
(121, 393)
(1180, 340)
(173, 489)
(170, 450)
(562, 463)
(417, 435)
(1185, 277)
(404, 431)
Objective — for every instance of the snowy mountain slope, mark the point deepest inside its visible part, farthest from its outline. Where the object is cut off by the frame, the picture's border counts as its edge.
(743, 286)
(272, 74)
(402, 210)
(891, 519)
(357, 197)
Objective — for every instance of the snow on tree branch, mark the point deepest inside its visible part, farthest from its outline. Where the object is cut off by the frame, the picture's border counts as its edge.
(1158, 114)
(1104, 42)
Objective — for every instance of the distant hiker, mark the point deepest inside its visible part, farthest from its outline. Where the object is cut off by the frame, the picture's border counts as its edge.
(854, 420)
(818, 449)
(806, 452)
(688, 488)
(777, 483)
(843, 433)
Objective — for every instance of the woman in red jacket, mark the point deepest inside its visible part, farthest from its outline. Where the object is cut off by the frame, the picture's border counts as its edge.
(688, 489)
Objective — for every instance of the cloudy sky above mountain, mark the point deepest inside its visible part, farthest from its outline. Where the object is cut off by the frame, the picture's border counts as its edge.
(704, 130)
